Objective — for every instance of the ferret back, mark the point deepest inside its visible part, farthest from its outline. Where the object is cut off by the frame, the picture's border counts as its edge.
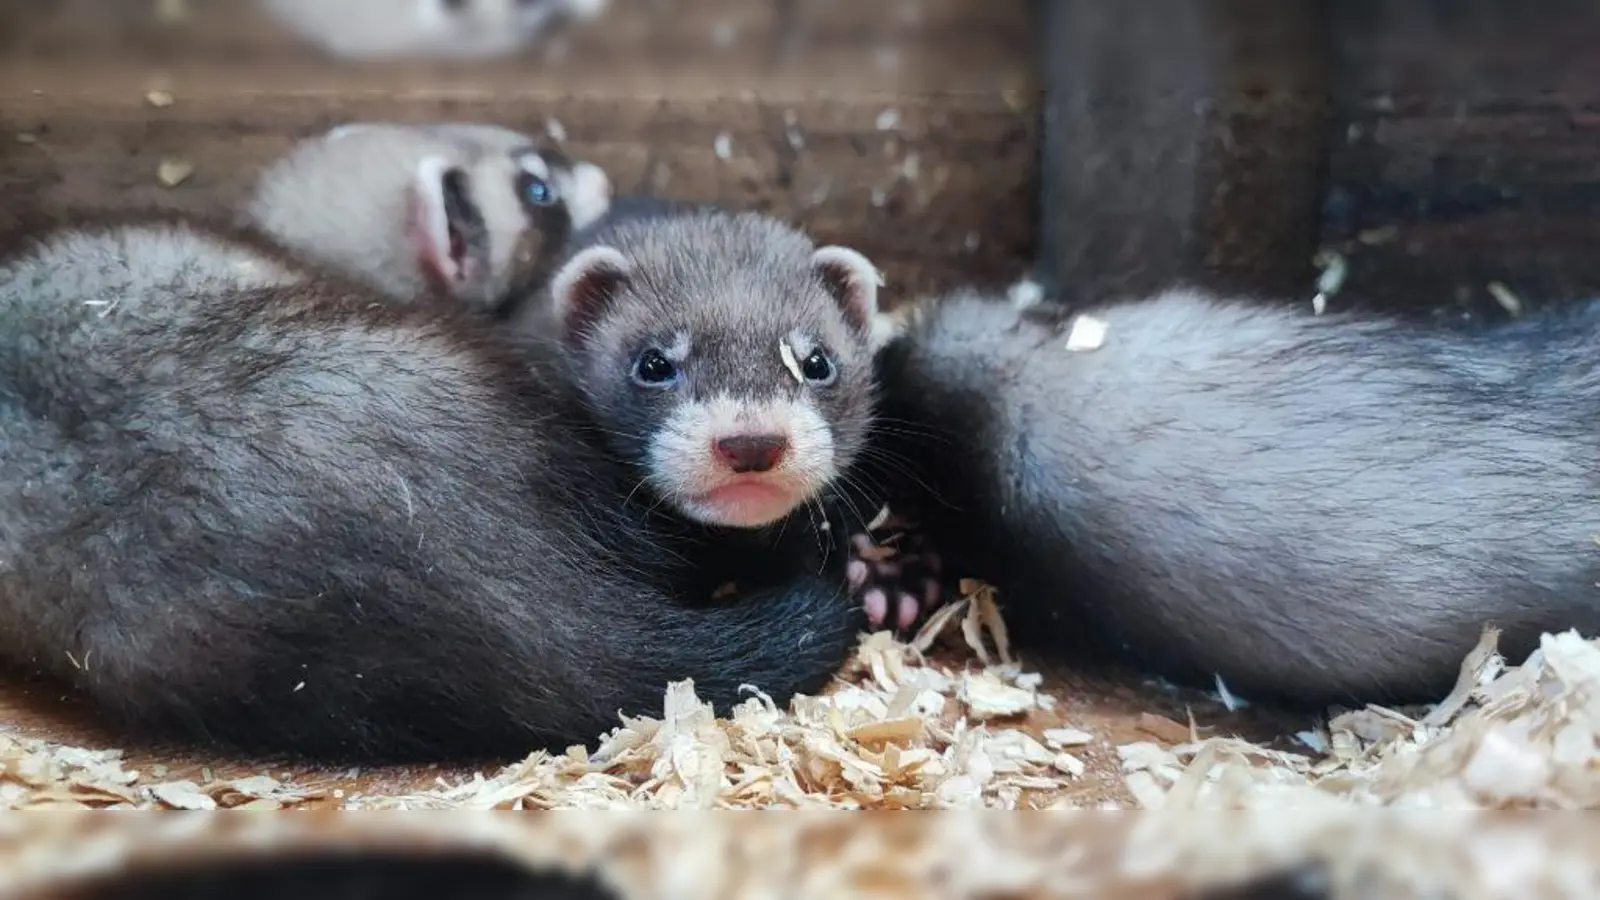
(1321, 507)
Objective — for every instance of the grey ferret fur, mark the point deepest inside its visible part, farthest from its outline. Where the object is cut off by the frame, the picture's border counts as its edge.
(249, 502)
(1316, 509)
(425, 29)
(476, 212)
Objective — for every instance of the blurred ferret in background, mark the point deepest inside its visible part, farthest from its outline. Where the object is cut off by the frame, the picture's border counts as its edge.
(475, 212)
(430, 29)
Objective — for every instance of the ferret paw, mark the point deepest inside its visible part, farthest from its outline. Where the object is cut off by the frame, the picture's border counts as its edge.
(895, 573)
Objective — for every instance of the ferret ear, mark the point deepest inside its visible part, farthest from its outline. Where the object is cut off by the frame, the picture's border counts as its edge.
(583, 288)
(853, 281)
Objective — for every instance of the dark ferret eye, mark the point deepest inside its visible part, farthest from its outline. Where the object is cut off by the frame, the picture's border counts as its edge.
(653, 369)
(535, 190)
(817, 368)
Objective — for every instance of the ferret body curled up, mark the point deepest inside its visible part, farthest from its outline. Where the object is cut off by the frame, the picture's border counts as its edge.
(246, 501)
(1318, 509)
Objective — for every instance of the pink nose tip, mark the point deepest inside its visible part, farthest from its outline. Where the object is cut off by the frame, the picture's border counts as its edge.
(752, 452)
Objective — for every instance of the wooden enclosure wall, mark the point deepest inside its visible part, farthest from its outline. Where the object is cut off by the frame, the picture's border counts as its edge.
(1438, 146)
(906, 128)
(1183, 141)
(1466, 149)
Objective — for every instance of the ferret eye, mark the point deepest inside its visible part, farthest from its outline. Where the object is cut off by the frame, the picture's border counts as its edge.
(536, 190)
(653, 369)
(817, 367)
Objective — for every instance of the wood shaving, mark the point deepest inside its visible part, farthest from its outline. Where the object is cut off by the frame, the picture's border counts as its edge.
(1088, 333)
(983, 615)
(879, 520)
(1504, 296)
(1335, 269)
(173, 171)
(790, 362)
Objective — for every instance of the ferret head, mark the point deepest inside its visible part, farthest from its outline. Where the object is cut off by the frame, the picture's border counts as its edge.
(436, 29)
(474, 212)
(474, 28)
(726, 356)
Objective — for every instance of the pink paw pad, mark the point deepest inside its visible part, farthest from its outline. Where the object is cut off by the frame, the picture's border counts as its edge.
(895, 574)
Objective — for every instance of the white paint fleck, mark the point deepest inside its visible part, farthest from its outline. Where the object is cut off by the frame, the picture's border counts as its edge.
(556, 130)
(723, 146)
(889, 119)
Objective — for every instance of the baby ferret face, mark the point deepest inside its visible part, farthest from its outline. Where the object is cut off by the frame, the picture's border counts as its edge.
(725, 356)
(736, 420)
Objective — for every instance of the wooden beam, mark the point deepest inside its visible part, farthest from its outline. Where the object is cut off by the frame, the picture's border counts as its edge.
(1182, 142)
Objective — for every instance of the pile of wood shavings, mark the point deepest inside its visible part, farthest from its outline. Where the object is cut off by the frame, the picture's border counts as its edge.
(899, 730)
(1505, 738)
(37, 774)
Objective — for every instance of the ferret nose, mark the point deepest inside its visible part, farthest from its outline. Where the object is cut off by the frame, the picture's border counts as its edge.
(752, 452)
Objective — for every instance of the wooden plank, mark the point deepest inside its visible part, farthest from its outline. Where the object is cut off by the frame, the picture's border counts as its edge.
(1182, 142)
(1467, 151)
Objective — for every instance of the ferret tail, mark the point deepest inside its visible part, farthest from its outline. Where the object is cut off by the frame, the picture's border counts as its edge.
(781, 641)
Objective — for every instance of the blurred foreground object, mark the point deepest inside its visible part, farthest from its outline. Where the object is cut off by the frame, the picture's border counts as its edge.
(1304, 853)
